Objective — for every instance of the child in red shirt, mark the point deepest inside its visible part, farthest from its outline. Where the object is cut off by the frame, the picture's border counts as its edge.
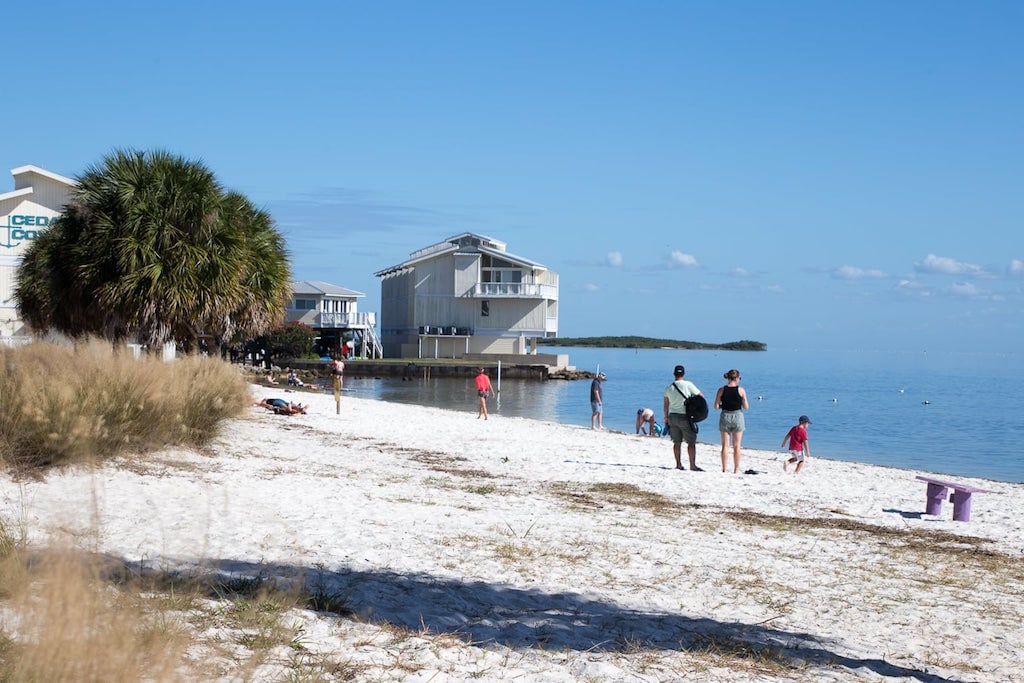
(799, 448)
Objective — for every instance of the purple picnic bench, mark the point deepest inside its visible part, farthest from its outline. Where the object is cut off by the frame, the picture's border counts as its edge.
(961, 497)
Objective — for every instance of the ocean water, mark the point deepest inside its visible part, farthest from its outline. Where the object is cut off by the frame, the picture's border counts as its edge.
(952, 413)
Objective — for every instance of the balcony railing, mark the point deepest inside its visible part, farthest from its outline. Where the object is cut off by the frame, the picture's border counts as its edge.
(519, 290)
(347, 319)
(319, 319)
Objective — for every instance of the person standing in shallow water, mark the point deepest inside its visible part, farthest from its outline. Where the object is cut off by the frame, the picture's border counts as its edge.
(732, 401)
(597, 402)
(483, 390)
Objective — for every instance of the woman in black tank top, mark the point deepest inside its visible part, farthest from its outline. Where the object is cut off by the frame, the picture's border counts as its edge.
(732, 401)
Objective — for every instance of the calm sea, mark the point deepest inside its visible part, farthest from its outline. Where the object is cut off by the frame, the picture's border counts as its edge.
(953, 413)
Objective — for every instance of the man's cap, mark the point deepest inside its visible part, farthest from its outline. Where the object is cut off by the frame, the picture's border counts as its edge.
(679, 370)
(804, 418)
(601, 375)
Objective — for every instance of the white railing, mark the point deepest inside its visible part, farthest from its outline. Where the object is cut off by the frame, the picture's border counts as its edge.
(345, 319)
(522, 290)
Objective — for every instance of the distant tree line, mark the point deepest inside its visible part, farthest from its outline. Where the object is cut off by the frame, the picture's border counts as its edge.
(651, 343)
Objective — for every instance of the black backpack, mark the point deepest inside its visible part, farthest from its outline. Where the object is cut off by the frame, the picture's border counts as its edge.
(696, 408)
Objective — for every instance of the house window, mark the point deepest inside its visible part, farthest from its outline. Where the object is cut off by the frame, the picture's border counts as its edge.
(485, 308)
(499, 270)
(305, 304)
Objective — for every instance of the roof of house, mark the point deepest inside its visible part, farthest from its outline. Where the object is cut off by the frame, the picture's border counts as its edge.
(22, 188)
(319, 288)
(21, 170)
(464, 243)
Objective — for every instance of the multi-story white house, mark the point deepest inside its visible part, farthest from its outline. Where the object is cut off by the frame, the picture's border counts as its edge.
(465, 296)
(38, 198)
(333, 312)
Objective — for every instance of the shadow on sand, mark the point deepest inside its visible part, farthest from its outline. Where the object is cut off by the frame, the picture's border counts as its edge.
(486, 613)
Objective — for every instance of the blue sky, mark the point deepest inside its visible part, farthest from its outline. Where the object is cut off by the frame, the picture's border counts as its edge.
(807, 174)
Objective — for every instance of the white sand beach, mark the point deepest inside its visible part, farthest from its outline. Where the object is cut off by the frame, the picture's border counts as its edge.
(512, 549)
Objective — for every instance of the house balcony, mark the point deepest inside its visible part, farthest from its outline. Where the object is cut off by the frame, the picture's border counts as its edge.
(320, 320)
(514, 290)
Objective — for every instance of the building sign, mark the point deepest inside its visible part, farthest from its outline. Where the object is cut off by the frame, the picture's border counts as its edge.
(18, 228)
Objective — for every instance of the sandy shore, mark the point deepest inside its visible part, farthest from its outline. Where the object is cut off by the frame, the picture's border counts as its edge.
(512, 549)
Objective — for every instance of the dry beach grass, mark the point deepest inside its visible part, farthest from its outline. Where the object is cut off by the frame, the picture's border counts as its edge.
(399, 542)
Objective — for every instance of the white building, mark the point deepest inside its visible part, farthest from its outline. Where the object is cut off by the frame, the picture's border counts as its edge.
(38, 198)
(466, 296)
(334, 312)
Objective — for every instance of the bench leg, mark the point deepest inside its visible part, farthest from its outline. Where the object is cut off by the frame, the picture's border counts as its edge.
(934, 497)
(961, 506)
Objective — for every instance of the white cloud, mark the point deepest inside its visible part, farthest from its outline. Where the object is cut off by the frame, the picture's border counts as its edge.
(741, 272)
(943, 264)
(591, 287)
(614, 258)
(680, 260)
(965, 289)
(855, 273)
(911, 287)
(1016, 268)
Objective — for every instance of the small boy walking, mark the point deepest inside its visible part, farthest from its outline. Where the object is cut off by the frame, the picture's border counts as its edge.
(799, 448)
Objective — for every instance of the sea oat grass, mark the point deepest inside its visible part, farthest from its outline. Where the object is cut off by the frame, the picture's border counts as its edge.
(71, 404)
(65, 622)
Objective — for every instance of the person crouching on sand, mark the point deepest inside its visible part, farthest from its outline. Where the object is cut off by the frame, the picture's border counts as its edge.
(799, 448)
(645, 415)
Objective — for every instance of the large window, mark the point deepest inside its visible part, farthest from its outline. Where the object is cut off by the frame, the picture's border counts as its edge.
(305, 304)
(494, 269)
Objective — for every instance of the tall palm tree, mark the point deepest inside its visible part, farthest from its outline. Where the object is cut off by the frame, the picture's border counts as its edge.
(152, 248)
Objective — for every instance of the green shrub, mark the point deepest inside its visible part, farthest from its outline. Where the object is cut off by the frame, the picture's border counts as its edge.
(67, 404)
(291, 340)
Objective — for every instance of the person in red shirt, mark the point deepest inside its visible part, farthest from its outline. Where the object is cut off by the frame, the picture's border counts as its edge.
(799, 448)
(483, 389)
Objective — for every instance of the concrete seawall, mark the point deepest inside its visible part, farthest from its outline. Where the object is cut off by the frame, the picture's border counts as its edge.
(428, 367)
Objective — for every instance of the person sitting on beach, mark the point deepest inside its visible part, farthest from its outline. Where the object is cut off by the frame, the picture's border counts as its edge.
(293, 379)
(645, 415)
(270, 377)
(279, 406)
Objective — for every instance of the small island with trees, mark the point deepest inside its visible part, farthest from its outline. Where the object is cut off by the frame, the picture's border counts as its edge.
(651, 343)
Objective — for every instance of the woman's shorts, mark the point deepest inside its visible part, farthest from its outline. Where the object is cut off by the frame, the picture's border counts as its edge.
(481, 393)
(731, 421)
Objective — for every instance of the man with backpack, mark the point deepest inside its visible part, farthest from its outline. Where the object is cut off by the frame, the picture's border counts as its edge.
(681, 419)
